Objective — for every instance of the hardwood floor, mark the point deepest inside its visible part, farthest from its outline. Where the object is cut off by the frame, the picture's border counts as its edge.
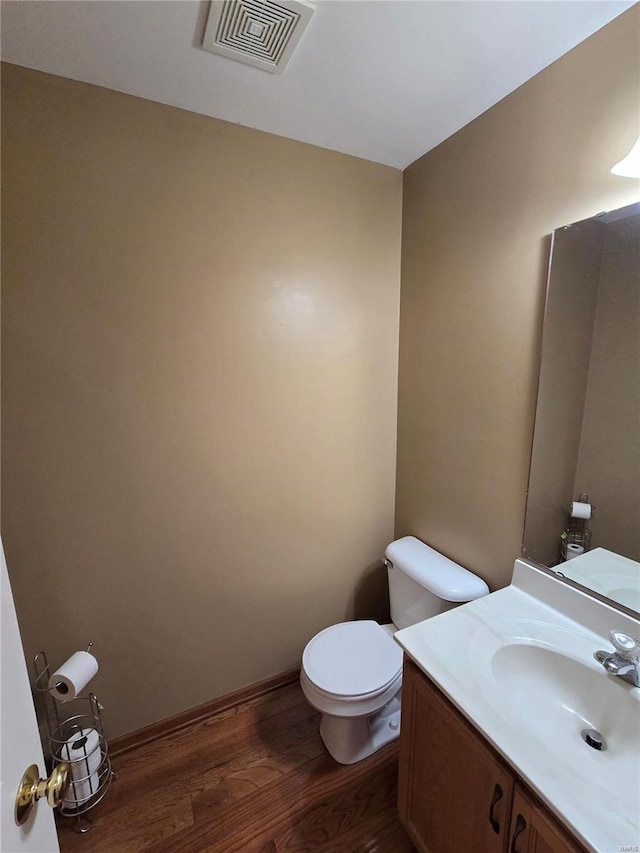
(255, 779)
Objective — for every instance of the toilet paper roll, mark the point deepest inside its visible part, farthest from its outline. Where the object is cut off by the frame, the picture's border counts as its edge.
(574, 551)
(580, 510)
(73, 676)
(83, 753)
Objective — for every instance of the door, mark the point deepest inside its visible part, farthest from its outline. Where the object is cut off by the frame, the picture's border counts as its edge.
(454, 795)
(19, 739)
(533, 830)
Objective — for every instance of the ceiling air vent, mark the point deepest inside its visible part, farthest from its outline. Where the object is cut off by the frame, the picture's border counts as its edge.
(261, 33)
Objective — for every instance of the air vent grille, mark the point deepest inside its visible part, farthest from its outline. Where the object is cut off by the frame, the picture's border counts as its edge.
(261, 33)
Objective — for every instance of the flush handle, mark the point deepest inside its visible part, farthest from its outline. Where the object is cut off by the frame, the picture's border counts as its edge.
(495, 799)
(520, 827)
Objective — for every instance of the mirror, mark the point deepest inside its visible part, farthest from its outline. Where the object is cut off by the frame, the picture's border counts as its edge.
(586, 444)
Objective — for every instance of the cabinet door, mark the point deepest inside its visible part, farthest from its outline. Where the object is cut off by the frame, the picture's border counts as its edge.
(454, 795)
(533, 830)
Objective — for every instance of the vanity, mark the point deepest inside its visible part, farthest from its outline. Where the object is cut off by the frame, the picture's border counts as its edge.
(514, 736)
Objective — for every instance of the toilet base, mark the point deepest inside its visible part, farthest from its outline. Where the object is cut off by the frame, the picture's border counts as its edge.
(350, 739)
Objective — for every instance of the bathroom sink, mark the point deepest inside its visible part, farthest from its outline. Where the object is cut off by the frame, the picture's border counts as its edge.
(519, 664)
(558, 698)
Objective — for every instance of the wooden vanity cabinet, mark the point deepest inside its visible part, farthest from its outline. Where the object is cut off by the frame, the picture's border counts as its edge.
(455, 794)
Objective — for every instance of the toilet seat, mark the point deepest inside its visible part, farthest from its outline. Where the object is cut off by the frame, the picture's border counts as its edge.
(352, 661)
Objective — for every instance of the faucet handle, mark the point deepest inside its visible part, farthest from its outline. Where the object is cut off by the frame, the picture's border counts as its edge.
(626, 646)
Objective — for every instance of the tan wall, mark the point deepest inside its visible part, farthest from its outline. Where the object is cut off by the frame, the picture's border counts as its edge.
(477, 214)
(568, 328)
(608, 466)
(199, 390)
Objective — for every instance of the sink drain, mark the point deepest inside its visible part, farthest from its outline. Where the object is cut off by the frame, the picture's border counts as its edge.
(594, 739)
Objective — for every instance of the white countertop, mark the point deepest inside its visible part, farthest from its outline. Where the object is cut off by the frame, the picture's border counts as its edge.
(595, 794)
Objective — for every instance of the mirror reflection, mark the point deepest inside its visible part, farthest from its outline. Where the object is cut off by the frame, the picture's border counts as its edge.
(583, 506)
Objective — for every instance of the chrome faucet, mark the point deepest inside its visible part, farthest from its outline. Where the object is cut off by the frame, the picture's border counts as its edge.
(625, 660)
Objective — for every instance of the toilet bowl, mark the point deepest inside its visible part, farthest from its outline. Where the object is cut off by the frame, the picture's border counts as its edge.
(352, 671)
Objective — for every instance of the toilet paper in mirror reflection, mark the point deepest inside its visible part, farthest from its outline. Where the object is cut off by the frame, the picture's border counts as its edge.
(574, 551)
(73, 676)
(580, 510)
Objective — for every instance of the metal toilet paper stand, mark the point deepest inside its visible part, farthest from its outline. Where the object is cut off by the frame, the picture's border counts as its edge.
(68, 736)
(576, 533)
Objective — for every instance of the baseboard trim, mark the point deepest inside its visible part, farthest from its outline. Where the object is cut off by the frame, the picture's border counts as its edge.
(171, 725)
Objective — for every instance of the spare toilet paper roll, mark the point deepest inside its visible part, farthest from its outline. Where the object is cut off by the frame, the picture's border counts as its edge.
(574, 550)
(82, 751)
(580, 510)
(73, 676)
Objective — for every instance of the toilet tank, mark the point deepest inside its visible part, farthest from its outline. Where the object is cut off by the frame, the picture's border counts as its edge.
(423, 582)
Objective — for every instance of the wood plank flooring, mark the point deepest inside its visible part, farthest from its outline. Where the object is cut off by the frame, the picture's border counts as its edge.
(255, 779)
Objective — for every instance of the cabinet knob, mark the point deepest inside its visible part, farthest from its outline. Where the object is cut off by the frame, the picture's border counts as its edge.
(520, 827)
(495, 799)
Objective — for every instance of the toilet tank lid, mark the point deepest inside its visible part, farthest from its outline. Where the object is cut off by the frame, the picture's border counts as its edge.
(434, 571)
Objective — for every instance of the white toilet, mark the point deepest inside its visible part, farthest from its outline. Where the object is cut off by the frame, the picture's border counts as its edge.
(352, 671)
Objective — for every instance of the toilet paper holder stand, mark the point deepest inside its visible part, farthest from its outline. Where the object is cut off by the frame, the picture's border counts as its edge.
(64, 726)
(576, 533)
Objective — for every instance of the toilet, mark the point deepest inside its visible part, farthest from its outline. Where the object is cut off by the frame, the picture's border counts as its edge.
(352, 672)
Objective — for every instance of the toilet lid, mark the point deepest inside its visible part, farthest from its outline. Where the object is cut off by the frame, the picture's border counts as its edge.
(352, 659)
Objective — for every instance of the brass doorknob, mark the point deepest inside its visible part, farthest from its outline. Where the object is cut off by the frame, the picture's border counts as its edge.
(33, 788)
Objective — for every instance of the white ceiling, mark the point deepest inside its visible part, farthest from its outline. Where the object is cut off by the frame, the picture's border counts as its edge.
(385, 80)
